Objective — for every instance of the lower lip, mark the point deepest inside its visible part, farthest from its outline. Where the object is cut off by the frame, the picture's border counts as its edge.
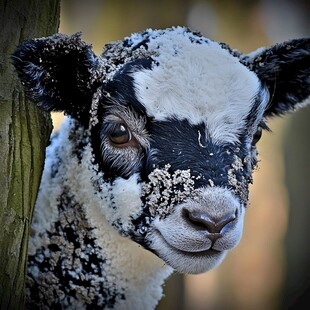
(209, 252)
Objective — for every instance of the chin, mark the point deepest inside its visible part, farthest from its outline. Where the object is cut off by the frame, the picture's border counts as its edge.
(188, 262)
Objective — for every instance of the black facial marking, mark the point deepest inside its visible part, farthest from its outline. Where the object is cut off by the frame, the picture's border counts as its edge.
(184, 146)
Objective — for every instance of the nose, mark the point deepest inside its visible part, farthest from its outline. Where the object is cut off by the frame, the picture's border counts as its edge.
(215, 226)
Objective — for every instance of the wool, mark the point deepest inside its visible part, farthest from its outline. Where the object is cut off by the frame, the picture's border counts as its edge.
(150, 171)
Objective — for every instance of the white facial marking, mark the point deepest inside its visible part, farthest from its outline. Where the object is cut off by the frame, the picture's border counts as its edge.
(202, 83)
(199, 140)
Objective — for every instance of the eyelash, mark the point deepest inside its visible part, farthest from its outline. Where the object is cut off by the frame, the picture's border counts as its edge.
(258, 134)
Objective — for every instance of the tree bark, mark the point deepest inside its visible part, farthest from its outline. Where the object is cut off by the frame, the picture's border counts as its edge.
(24, 134)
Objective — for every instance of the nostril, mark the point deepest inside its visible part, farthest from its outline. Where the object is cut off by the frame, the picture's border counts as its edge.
(225, 220)
(201, 220)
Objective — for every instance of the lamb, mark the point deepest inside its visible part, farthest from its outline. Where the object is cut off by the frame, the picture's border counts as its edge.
(150, 171)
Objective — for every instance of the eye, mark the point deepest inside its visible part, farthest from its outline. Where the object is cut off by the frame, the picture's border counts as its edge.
(119, 134)
(257, 135)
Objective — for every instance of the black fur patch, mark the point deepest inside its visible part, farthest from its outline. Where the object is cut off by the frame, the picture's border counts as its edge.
(70, 268)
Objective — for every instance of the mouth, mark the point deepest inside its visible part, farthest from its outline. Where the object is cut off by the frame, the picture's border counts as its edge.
(194, 252)
(193, 262)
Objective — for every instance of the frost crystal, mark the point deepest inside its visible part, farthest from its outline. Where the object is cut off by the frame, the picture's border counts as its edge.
(94, 108)
(240, 186)
(166, 188)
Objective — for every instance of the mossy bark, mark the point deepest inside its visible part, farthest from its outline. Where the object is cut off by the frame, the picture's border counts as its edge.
(24, 134)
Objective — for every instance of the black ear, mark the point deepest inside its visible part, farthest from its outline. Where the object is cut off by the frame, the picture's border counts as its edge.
(285, 69)
(59, 73)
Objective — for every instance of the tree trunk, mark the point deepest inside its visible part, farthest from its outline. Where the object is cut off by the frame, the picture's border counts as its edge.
(24, 134)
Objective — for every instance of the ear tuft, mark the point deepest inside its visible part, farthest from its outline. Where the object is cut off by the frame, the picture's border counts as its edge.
(285, 69)
(59, 73)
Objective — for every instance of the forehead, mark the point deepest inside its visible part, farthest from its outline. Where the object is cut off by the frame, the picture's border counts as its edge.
(195, 79)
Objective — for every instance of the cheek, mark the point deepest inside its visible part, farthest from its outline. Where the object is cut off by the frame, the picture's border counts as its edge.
(124, 204)
(118, 161)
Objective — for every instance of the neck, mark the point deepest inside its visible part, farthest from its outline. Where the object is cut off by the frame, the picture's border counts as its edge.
(76, 258)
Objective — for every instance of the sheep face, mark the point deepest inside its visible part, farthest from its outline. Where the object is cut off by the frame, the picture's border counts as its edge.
(172, 120)
(190, 146)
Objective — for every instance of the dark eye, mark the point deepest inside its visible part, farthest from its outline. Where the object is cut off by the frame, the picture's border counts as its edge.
(257, 135)
(119, 134)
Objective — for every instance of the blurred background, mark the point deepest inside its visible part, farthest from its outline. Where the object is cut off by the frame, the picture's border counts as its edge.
(270, 269)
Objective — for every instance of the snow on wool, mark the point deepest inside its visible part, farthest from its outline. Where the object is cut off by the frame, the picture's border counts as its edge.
(150, 171)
